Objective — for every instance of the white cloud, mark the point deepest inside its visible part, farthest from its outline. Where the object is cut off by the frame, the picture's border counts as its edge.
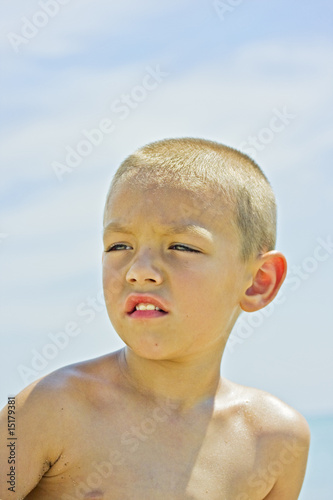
(208, 91)
(73, 25)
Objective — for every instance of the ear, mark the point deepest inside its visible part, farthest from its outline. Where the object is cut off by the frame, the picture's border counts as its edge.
(269, 273)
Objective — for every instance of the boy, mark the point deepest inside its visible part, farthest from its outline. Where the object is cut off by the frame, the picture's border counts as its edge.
(189, 233)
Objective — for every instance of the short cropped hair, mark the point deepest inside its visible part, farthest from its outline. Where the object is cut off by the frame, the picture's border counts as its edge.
(234, 178)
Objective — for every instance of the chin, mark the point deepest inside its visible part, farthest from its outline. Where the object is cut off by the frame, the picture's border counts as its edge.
(152, 350)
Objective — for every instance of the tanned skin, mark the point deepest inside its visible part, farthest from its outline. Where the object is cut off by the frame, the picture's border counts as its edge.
(155, 420)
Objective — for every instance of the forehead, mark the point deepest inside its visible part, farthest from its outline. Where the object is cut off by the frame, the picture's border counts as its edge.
(168, 205)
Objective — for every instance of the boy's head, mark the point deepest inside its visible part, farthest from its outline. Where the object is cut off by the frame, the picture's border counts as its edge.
(189, 224)
(222, 175)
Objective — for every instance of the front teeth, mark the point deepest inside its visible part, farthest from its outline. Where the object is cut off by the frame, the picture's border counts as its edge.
(146, 307)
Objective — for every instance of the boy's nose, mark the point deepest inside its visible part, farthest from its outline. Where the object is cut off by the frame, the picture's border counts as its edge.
(143, 270)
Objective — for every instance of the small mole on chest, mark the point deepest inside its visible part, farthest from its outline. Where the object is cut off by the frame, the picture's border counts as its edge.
(94, 495)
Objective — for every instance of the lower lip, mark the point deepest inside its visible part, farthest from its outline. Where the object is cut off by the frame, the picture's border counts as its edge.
(147, 314)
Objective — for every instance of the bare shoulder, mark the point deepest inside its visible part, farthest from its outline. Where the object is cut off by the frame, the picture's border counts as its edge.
(46, 413)
(46, 403)
(268, 415)
(68, 387)
(280, 436)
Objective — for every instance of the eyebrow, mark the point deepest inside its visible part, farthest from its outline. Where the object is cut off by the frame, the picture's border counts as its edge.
(189, 229)
(194, 229)
(115, 227)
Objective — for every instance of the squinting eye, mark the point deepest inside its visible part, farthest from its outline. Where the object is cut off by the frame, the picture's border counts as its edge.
(116, 246)
(184, 248)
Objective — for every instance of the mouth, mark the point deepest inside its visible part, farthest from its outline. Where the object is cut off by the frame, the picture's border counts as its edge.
(145, 306)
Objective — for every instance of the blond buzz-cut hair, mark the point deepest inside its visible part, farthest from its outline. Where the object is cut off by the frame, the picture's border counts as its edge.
(198, 164)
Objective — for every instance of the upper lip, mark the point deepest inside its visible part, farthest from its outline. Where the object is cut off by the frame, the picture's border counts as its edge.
(135, 298)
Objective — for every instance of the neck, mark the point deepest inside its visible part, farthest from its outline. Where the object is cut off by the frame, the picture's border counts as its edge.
(185, 383)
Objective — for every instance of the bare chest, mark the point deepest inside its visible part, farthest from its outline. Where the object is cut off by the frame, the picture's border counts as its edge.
(150, 457)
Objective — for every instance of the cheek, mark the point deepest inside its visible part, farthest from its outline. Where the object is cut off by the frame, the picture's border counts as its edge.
(112, 282)
(197, 289)
(209, 293)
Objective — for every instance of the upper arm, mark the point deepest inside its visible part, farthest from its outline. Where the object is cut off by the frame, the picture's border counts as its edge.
(34, 449)
(290, 462)
(282, 446)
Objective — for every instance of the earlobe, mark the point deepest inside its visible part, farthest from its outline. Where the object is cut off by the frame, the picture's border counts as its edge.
(269, 274)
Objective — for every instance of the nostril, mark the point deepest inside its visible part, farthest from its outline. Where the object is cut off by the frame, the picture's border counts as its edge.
(142, 274)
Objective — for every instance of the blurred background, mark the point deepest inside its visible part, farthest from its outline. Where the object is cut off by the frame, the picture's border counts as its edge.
(84, 84)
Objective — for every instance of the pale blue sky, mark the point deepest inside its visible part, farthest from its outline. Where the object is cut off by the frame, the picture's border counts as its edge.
(222, 79)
